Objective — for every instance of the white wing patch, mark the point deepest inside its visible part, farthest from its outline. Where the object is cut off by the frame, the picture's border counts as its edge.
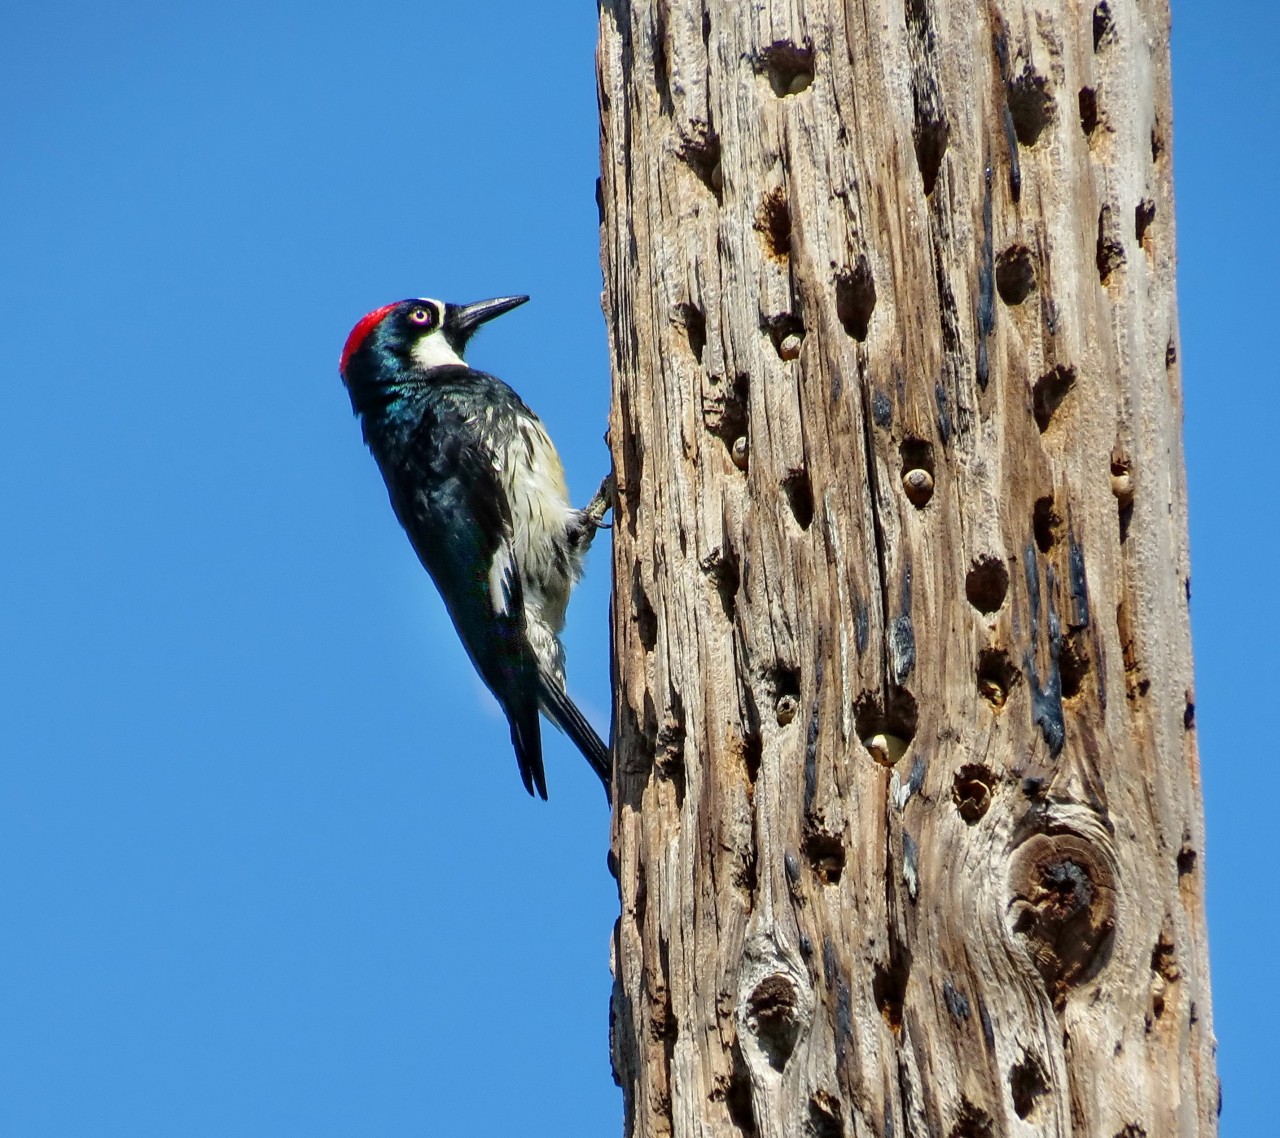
(501, 576)
(533, 480)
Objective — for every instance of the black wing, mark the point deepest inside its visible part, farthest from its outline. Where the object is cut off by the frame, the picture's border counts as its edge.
(456, 514)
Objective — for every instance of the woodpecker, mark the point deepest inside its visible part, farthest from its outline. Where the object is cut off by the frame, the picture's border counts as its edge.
(479, 488)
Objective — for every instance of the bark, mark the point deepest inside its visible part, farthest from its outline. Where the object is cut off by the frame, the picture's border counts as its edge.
(907, 819)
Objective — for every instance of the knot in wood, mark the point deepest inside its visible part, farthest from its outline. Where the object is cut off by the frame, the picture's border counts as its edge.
(1064, 904)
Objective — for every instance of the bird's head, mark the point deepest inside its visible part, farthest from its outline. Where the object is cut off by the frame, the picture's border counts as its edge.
(398, 342)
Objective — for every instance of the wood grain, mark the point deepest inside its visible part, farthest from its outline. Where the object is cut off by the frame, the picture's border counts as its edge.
(907, 821)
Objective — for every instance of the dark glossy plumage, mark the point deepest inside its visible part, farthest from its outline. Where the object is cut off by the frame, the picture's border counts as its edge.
(445, 437)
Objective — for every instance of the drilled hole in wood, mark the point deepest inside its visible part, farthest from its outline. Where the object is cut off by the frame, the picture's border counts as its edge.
(773, 223)
(750, 749)
(786, 333)
(642, 613)
(1015, 274)
(825, 854)
(1027, 1083)
(642, 729)
(1049, 392)
(1144, 213)
(725, 406)
(1110, 250)
(931, 135)
(735, 1093)
(1189, 715)
(1088, 99)
(700, 151)
(1030, 105)
(1121, 479)
(1132, 1130)
(641, 902)
(1186, 860)
(1170, 353)
(1157, 142)
(630, 477)
(782, 679)
(997, 676)
(886, 729)
(987, 583)
(694, 322)
(1045, 524)
(1164, 956)
(856, 298)
(973, 1122)
(1074, 664)
(1122, 488)
(661, 71)
(788, 67)
(785, 709)
(825, 1117)
(917, 470)
(773, 1017)
(799, 492)
(668, 756)
(1103, 27)
(721, 568)
(889, 988)
(971, 791)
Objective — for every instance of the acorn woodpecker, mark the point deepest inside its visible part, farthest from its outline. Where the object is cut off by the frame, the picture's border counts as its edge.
(479, 488)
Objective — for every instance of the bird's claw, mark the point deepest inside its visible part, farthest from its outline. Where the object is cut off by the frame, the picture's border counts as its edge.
(601, 503)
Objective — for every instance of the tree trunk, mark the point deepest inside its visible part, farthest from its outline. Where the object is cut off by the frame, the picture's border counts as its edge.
(907, 824)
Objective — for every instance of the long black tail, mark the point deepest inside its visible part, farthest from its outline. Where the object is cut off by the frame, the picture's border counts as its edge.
(564, 713)
(526, 738)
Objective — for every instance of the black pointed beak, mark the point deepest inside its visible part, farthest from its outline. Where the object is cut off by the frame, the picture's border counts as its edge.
(463, 319)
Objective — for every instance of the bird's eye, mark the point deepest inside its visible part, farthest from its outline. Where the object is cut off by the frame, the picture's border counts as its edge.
(422, 315)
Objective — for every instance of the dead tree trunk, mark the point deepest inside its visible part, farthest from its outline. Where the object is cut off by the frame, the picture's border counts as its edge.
(908, 815)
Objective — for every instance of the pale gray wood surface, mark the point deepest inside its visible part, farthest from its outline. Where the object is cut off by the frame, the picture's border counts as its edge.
(908, 823)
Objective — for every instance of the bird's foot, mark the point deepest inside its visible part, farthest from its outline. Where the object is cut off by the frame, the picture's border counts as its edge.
(601, 504)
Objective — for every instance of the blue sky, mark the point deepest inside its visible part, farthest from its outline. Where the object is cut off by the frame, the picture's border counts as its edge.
(265, 860)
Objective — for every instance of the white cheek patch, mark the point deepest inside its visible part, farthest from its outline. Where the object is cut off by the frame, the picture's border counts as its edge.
(433, 350)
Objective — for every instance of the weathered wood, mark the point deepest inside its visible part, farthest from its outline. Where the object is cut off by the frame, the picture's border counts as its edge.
(907, 821)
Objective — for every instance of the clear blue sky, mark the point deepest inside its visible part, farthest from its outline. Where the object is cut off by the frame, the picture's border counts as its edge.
(266, 867)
